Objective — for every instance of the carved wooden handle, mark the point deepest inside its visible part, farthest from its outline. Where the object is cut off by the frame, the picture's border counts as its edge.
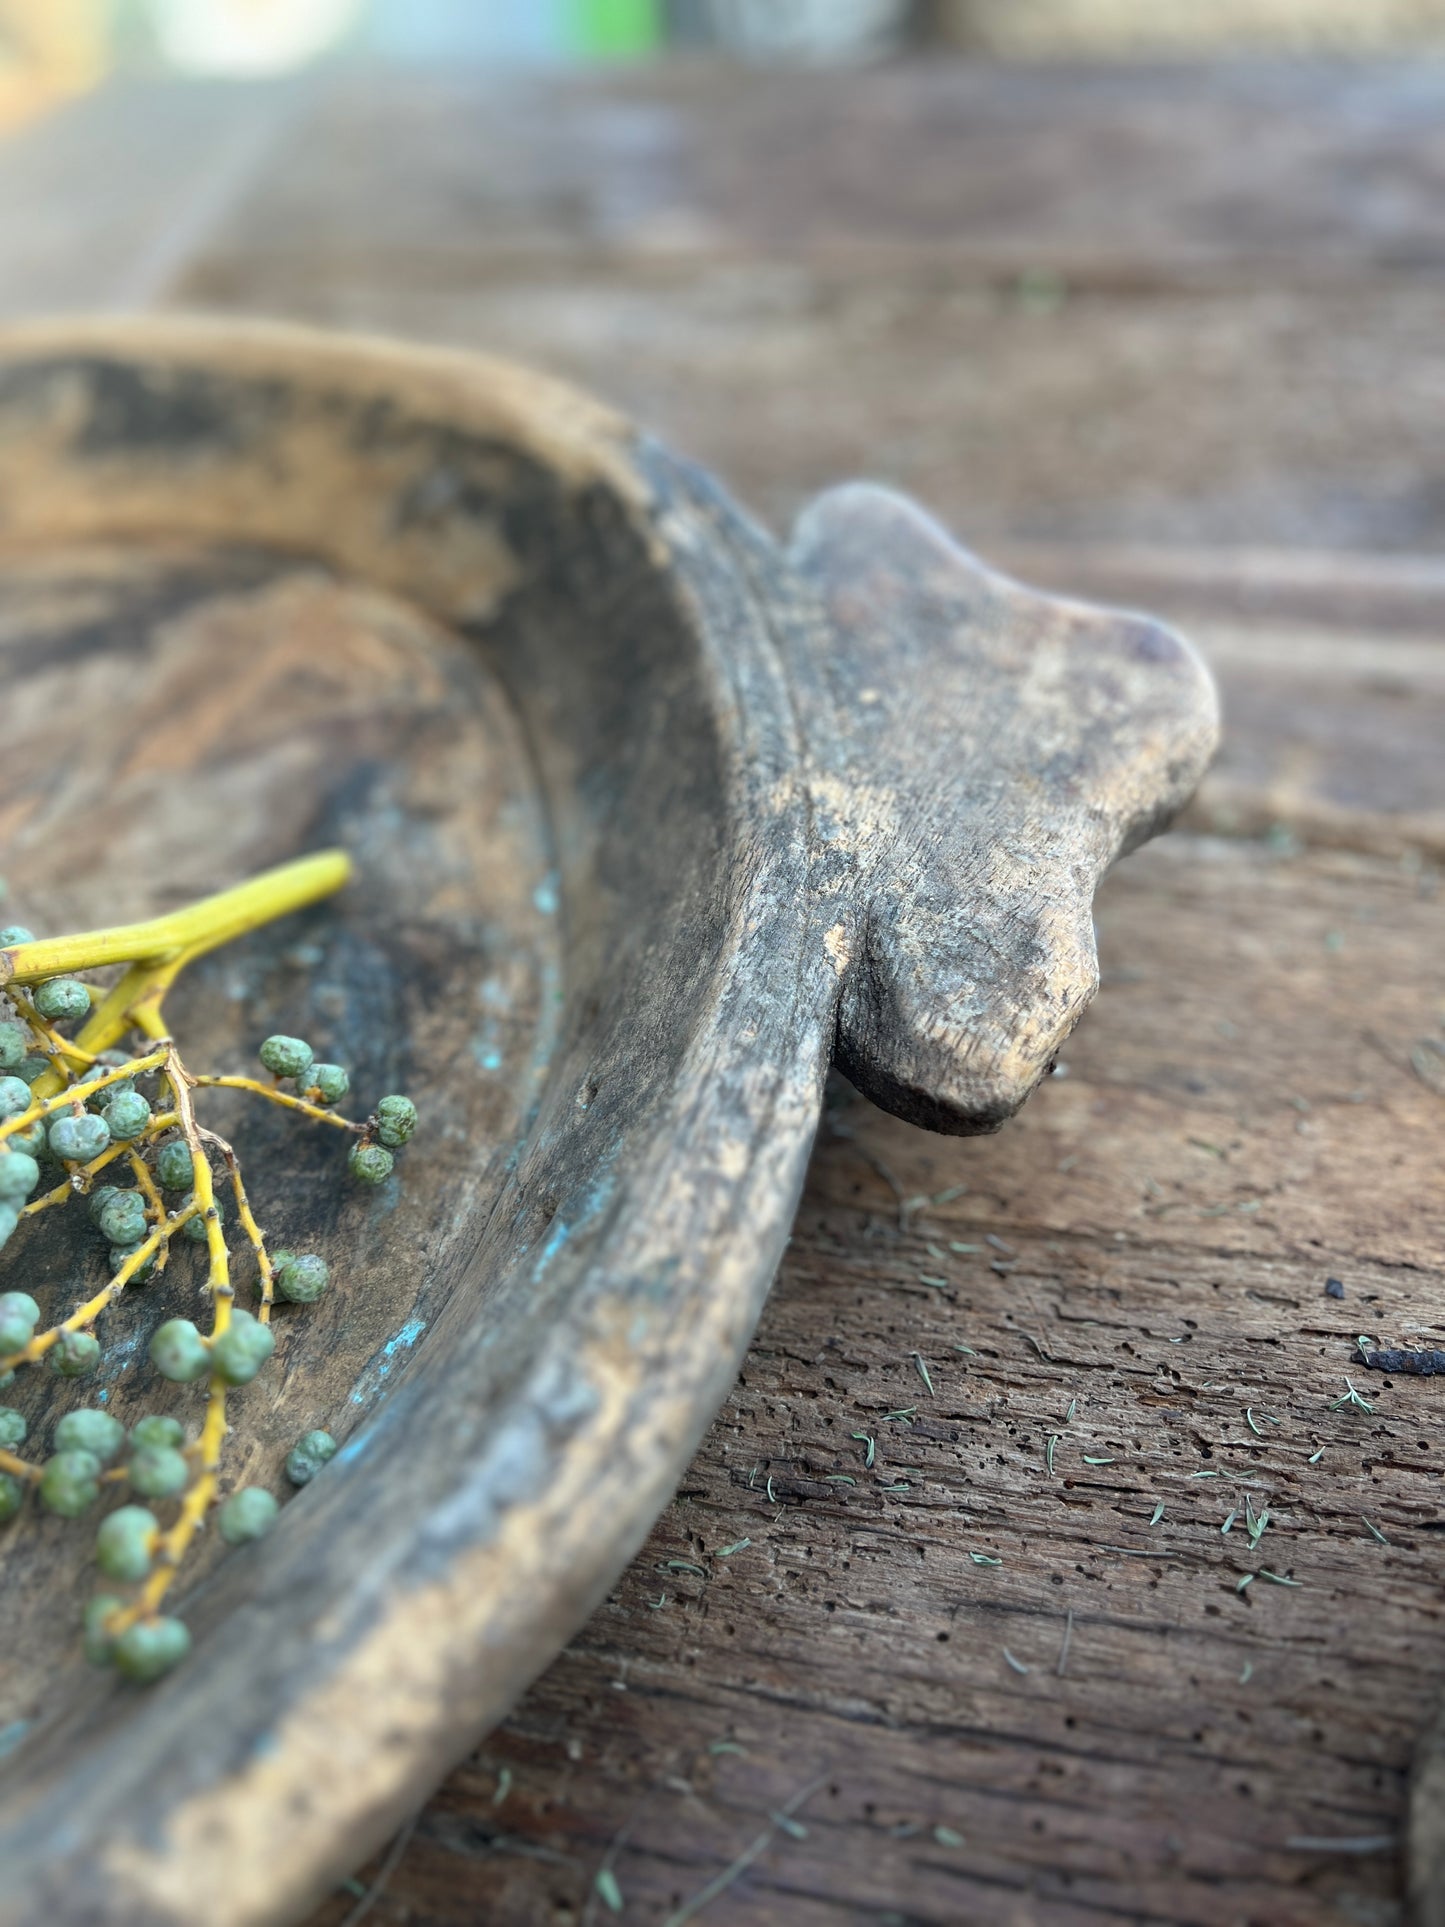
(978, 755)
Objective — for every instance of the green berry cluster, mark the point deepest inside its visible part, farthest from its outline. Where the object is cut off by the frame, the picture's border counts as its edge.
(118, 1129)
(390, 1126)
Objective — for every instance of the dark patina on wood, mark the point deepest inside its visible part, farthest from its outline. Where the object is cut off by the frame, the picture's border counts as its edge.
(722, 814)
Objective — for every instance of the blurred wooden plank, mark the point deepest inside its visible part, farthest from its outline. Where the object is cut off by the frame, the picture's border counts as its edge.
(102, 203)
(1231, 419)
(1119, 306)
(1171, 307)
(1131, 175)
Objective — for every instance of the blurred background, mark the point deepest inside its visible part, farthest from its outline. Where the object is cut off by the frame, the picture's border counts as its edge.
(1111, 285)
(1143, 298)
(50, 48)
(1072, 269)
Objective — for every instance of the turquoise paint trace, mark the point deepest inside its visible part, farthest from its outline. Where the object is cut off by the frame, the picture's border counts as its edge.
(556, 1238)
(12, 1735)
(379, 1368)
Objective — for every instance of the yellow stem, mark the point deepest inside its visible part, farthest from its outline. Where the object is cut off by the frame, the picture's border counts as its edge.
(87, 1313)
(19, 1468)
(78, 1092)
(52, 1044)
(204, 1193)
(199, 1498)
(163, 1122)
(253, 1233)
(258, 1089)
(155, 1204)
(201, 1495)
(159, 950)
(190, 932)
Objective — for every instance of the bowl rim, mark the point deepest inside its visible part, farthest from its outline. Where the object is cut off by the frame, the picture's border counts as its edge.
(229, 1771)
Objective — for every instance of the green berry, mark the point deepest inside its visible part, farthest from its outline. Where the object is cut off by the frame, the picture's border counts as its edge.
(395, 1121)
(287, 1056)
(9, 1219)
(76, 1140)
(308, 1455)
(158, 1471)
(12, 1495)
(195, 1228)
(122, 1218)
(179, 1352)
(329, 1081)
(246, 1515)
(14, 933)
(371, 1163)
(99, 1101)
(241, 1350)
(301, 1280)
(100, 1198)
(155, 1429)
(90, 1431)
(125, 1542)
(19, 1315)
(19, 1175)
(119, 1255)
(127, 1114)
(175, 1169)
(34, 1066)
(14, 1043)
(75, 1354)
(13, 1428)
(14, 1096)
(70, 1483)
(62, 1000)
(31, 1140)
(151, 1647)
(99, 1646)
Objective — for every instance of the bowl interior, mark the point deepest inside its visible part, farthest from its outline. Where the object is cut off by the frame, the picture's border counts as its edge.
(260, 594)
(179, 716)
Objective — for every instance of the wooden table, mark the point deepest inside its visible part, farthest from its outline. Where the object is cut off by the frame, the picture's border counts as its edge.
(952, 1585)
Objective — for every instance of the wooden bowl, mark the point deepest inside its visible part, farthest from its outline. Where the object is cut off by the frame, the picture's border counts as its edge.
(653, 820)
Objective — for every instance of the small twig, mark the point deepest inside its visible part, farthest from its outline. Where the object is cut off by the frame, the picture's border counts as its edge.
(1345, 1843)
(1066, 1642)
(604, 1875)
(720, 1883)
(384, 1873)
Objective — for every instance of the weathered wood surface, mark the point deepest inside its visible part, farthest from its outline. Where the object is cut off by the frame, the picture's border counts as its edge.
(1239, 1123)
(1244, 352)
(887, 788)
(292, 707)
(939, 695)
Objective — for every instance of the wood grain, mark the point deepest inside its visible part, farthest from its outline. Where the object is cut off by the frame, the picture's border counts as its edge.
(226, 706)
(1230, 1134)
(583, 1287)
(1238, 349)
(1161, 305)
(943, 694)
